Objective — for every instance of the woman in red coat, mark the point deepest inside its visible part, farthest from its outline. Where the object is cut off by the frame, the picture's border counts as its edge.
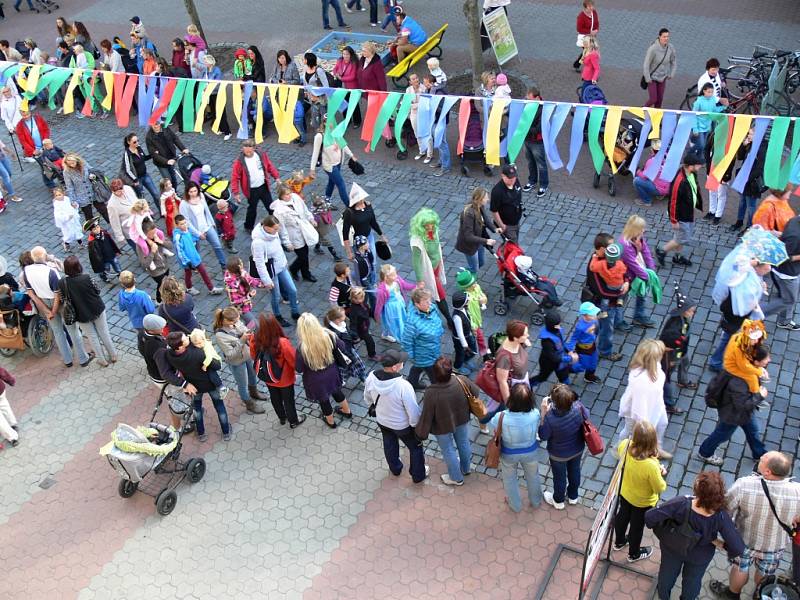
(372, 77)
(587, 23)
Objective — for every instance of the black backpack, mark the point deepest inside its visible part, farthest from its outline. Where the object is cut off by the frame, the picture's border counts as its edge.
(267, 368)
(715, 389)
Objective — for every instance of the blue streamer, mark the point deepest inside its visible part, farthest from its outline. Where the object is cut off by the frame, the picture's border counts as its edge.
(668, 123)
(761, 126)
(550, 134)
(676, 149)
(244, 130)
(637, 156)
(426, 111)
(448, 103)
(794, 176)
(487, 107)
(576, 136)
(147, 95)
(514, 113)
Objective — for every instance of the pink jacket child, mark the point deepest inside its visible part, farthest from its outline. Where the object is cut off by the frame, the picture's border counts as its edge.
(241, 287)
(140, 211)
(661, 185)
(591, 66)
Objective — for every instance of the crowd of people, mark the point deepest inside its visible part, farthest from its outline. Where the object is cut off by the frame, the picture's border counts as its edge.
(369, 297)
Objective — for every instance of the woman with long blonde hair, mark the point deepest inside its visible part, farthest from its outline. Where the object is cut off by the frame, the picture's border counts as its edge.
(643, 399)
(316, 363)
(473, 230)
(637, 257)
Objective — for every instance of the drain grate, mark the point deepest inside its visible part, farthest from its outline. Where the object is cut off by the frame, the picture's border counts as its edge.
(47, 482)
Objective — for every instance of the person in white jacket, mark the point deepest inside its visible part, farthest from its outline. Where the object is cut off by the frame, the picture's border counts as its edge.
(333, 156)
(119, 210)
(298, 229)
(272, 267)
(397, 412)
(9, 107)
(643, 399)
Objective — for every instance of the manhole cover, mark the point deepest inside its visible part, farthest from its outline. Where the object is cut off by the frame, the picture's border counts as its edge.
(47, 482)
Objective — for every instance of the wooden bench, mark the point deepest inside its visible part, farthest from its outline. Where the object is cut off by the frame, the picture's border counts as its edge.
(430, 47)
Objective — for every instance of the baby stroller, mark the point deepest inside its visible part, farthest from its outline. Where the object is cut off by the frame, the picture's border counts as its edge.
(191, 169)
(24, 327)
(626, 144)
(519, 279)
(47, 6)
(51, 171)
(474, 150)
(148, 458)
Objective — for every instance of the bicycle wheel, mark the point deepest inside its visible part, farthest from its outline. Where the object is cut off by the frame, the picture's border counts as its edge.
(740, 79)
(781, 106)
(688, 101)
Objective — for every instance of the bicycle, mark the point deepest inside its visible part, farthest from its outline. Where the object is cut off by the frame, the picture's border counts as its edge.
(753, 91)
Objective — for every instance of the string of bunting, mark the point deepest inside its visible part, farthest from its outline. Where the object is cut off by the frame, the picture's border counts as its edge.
(163, 97)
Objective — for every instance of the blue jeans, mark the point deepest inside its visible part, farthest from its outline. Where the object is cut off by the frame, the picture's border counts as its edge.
(5, 174)
(747, 206)
(723, 432)
(391, 450)
(530, 468)
(284, 285)
(537, 164)
(111, 266)
(605, 328)
(475, 261)
(146, 182)
(670, 568)
(171, 173)
(387, 20)
(337, 9)
(336, 180)
(564, 471)
(640, 309)
(60, 336)
(715, 362)
(219, 406)
(645, 189)
(456, 451)
(212, 237)
(19, 2)
(245, 376)
(698, 141)
(444, 154)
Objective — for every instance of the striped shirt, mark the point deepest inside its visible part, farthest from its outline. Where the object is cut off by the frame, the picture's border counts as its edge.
(753, 516)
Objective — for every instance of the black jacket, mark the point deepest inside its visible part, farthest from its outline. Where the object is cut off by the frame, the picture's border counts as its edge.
(84, 295)
(134, 165)
(791, 238)
(535, 132)
(755, 181)
(161, 146)
(149, 347)
(180, 369)
(472, 230)
(102, 249)
(681, 203)
(736, 402)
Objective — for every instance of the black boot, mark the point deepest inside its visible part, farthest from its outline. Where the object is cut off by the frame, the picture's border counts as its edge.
(737, 226)
(335, 256)
(318, 250)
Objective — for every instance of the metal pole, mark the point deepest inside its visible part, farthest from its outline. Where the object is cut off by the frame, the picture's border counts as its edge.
(16, 151)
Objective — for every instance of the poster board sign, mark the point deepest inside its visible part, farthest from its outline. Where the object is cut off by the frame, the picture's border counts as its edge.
(500, 35)
(601, 528)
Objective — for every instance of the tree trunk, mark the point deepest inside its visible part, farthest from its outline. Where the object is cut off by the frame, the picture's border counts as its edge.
(195, 18)
(473, 14)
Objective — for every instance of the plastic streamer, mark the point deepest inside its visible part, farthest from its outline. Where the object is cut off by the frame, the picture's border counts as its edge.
(236, 102)
(776, 173)
(508, 147)
(656, 114)
(595, 121)
(244, 129)
(33, 81)
(69, 98)
(740, 128)
(610, 133)
(374, 103)
(219, 106)
(550, 131)
(191, 90)
(387, 109)
(175, 101)
(526, 118)
(439, 129)
(108, 85)
(204, 99)
(167, 91)
(259, 133)
(576, 135)
(401, 118)
(283, 100)
(334, 102)
(147, 96)
(743, 175)
(676, 149)
(426, 109)
(668, 123)
(464, 110)
(637, 156)
(341, 127)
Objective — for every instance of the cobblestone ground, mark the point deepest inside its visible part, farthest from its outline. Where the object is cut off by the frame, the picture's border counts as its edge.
(314, 513)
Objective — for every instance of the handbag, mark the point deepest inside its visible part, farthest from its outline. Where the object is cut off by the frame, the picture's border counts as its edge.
(492, 457)
(643, 82)
(356, 167)
(310, 233)
(590, 434)
(67, 308)
(677, 536)
(476, 407)
(383, 250)
(373, 407)
(486, 380)
(340, 358)
(11, 337)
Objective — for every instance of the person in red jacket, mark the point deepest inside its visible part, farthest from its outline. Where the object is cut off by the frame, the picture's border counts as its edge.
(684, 198)
(249, 179)
(32, 130)
(587, 23)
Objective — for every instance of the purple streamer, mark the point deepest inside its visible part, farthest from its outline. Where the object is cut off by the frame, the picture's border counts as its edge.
(676, 149)
(514, 114)
(761, 126)
(637, 156)
(668, 123)
(576, 136)
(244, 130)
(560, 115)
(147, 95)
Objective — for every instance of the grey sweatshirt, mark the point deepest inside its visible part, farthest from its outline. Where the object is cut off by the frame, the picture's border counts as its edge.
(659, 72)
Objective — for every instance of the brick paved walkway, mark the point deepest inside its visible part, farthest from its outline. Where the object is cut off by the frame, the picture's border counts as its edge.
(307, 513)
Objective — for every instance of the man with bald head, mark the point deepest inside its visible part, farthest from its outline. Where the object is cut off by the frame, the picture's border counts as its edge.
(749, 500)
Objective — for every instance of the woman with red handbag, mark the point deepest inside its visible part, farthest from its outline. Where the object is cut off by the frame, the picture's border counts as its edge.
(562, 429)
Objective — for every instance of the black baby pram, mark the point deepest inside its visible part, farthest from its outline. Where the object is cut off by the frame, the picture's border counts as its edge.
(214, 188)
(148, 458)
(474, 150)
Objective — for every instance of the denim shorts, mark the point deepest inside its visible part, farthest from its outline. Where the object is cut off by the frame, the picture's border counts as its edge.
(685, 233)
(766, 562)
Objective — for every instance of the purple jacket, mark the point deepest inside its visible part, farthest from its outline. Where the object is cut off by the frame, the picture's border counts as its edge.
(629, 252)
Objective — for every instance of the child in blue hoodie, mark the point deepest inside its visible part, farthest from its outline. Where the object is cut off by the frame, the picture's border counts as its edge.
(706, 102)
(134, 302)
(583, 343)
(554, 356)
(189, 258)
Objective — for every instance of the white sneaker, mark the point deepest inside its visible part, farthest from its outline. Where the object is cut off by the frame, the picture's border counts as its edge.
(548, 497)
(227, 137)
(427, 470)
(215, 291)
(192, 291)
(573, 502)
(427, 159)
(418, 156)
(389, 338)
(485, 430)
(29, 159)
(447, 481)
(167, 252)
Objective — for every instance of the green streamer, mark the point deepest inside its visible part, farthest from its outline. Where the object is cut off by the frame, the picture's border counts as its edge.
(383, 117)
(175, 101)
(402, 117)
(341, 127)
(720, 138)
(776, 170)
(334, 102)
(595, 121)
(188, 104)
(58, 79)
(520, 133)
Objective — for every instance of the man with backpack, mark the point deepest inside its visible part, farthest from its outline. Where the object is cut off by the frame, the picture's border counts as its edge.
(394, 405)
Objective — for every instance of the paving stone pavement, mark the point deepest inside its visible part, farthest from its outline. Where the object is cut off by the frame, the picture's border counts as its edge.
(307, 514)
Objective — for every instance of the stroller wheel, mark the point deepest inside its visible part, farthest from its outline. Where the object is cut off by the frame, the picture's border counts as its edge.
(612, 187)
(500, 308)
(537, 319)
(166, 501)
(487, 170)
(127, 488)
(596, 181)
(7, 351)
(464, 170)
(195, 469)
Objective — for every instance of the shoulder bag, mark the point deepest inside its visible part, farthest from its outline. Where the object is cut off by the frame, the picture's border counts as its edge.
(590, 434)
(643, 82)
(67, 307)
(476, 407)
(371, 411)
(173, 321)
(791, 531)
(340, 358)
(487, 379)
(678, 536)
(493, 448)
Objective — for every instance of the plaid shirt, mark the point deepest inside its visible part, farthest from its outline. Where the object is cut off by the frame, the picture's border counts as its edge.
(753, 516)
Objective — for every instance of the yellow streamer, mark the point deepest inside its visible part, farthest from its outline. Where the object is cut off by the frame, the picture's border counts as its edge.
(655, 120)
(236, 98)
(284, 99)
(741, 127)
(219, 108)
(493, 131)
(108, 84)
(33, 78)
(613, 119)
(210, 88)
(69, 98)
(259, 133)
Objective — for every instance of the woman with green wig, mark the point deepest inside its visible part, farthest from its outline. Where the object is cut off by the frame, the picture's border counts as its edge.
(426, 257)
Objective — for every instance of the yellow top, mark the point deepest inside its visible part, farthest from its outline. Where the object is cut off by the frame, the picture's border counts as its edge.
(642, 482)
